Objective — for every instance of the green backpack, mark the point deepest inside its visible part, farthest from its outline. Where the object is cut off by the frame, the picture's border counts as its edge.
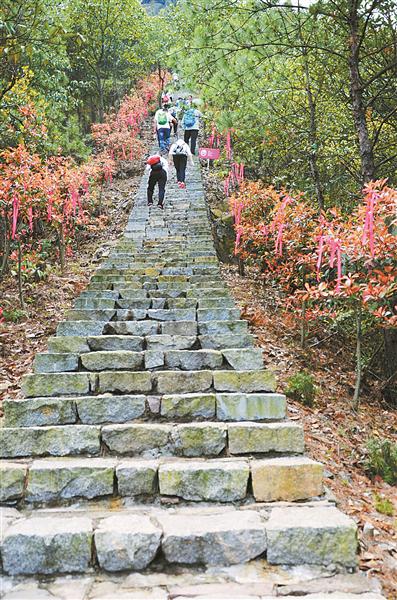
(162, 118)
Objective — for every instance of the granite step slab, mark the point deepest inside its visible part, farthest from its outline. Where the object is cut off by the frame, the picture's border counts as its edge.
(56, 481)
(119, 408)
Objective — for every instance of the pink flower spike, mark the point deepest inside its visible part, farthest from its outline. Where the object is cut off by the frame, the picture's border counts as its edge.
(339, 268)
(30, 216)
(320, 256)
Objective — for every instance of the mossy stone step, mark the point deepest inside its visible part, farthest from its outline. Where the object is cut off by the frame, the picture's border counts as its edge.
(198, 439)
(116, 408)
(62, 542)
(58, 480)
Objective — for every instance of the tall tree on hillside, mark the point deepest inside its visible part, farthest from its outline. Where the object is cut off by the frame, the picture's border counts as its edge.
(105, 48)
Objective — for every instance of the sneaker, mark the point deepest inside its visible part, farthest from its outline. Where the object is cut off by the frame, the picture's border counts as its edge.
(183, 185)
(161, 205)
(179, 184)
(150, 203)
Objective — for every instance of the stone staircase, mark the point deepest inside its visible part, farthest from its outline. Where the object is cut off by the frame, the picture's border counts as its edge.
(151, 437)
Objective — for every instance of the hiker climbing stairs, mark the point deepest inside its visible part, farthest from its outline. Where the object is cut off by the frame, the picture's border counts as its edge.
(150, 433)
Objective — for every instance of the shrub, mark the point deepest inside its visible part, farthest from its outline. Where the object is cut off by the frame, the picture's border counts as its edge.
(382, 459)
(384, 506)
(13, 315)
(301, 387)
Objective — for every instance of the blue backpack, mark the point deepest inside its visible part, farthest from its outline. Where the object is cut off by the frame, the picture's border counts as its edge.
(190, 118)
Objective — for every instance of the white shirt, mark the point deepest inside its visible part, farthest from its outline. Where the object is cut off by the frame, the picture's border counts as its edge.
(186, 150)
(169, 119)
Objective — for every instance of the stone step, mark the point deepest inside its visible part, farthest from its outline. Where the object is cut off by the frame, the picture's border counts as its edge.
(110, 408)
(153, 434)
(225, 585)
(160, 357)
(155, 382)
(201, 439)
(63, 480)
(145, 302)
(76, 541)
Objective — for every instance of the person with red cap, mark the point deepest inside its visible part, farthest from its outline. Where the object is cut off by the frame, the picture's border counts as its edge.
(158, 168)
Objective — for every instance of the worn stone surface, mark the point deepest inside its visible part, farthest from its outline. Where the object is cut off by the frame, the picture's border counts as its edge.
(168, 342)
(190, 406)
(74, 344)
(124, 382)
(12, 480)
(107, 360)
(247, 359)
(58, 479)
(47, 545)
(80, 328)
(47, 362)
(154, 359)
(94, 303)
(186, 328)
(213, 480)
(218, 314)
(146, 439)
(348, 584)
(127, 542)
(222, 327)
(311, 535)
(287, 478)
(245, 438)
(39, 411)
(55, 441)
(110, 408)
(176, 314)
(177, 382)
(55, 384)
(191, 360)
(222, 302)
(135, 328)
(115, 342)
(199, 439)
(218, 341)
(137, 477)
(250, 407)
(225, 539)
(82, 314)
(244, 381)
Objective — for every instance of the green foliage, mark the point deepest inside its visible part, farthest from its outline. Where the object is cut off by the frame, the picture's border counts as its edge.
(13, 315)
(301, 387)
(382, 459)
(65, 64)
(280, 78)
(384, 505)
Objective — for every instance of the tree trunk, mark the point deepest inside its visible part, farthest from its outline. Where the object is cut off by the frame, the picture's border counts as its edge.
(101, 102)
(356, 96)
(313, 140)
(6, 252)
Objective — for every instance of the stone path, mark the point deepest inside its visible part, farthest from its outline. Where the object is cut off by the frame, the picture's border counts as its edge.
(150, 438)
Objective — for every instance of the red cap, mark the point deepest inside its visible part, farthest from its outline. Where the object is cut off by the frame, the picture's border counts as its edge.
(153, 160)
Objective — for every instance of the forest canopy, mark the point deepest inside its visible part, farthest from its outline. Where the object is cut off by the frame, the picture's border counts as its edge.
(310, 89)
